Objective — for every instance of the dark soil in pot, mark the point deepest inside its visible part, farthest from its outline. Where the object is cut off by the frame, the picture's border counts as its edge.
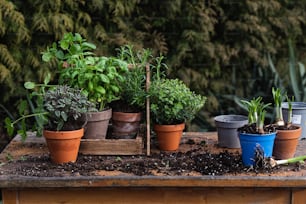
(251, 129)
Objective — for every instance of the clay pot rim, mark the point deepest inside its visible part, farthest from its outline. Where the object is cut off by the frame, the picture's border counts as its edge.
(292, 130)
(70, 134)
(128, 117)
(169, 127)
(230, 121)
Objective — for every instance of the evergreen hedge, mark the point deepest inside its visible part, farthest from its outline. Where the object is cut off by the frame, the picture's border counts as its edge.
(217, 47)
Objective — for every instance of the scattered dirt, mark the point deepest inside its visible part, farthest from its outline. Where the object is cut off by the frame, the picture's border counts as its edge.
(194, 158)
(252, 129)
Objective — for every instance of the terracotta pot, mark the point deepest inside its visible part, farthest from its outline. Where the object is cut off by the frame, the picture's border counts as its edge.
(286, 142)
(298, 116)
(97, 124)
(125, 125)
(63, 145)
(169, 136)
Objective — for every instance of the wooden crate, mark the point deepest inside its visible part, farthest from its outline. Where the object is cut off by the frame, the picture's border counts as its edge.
(123, 146)
(114, 146)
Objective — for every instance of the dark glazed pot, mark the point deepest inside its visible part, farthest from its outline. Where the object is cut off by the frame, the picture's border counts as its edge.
(125, 125)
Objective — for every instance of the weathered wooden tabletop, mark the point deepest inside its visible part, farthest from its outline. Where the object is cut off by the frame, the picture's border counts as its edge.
(35, 146)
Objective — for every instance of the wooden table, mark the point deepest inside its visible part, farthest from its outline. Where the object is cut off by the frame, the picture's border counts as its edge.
(288, 187)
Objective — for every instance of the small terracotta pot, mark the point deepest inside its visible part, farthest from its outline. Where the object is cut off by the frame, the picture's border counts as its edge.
(286, 142)
(63, 145)
(125, 125)
(97, 124)
(169, 136)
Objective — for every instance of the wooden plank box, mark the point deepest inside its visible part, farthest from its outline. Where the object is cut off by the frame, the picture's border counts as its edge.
(114, 146)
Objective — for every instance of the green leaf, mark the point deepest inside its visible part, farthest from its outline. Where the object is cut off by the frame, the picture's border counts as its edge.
(9, 126)
(22, 107)
(100, 90)
(75, 48)
(57, 113)
(60, 55)
(78, 37)
(115, 89)
(64, 44)
(46, 57)
(64, 115)
(88, 75)
(47, 78)
(90, 85)
(104, 78)
(29, 85)
(89, 45)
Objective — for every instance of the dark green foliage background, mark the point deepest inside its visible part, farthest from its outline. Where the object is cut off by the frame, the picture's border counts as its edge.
(218, 47)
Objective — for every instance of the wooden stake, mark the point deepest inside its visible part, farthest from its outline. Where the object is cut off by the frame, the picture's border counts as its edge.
(148, 110)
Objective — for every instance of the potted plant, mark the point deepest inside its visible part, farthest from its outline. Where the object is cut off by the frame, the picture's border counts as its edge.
(288, 135)
(56, 116)
(97, 77)
(298, 114)
(128, 110)
(172, 104)
(256, 134)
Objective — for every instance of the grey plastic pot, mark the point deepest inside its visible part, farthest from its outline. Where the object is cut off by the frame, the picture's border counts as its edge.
(227, 129)
(298, 115)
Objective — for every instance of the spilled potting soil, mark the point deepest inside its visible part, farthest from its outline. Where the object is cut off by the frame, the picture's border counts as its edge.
(195, 158)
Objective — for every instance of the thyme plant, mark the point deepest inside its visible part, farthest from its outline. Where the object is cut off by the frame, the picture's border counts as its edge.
(172, 102)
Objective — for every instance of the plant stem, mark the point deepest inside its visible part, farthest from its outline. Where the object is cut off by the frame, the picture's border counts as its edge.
(278, 98)
(27, 116)
(287, 161)
(290, 110)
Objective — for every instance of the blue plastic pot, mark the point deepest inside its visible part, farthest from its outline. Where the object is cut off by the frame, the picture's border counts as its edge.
(249, 142)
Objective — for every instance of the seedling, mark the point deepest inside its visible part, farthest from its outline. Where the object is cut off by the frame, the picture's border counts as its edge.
(256, 112)
(299, 159)
(278, 98)
(268, 162)
(289, 123)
